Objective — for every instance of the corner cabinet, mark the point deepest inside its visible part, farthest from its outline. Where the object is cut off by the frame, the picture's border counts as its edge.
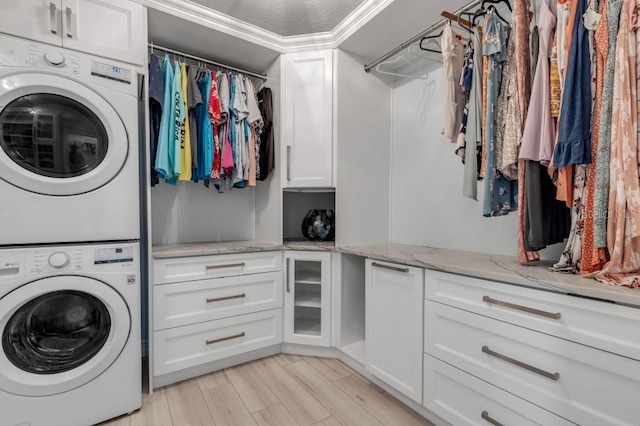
(393, 330)
(114, 29)
(308, 120)
(307, 298)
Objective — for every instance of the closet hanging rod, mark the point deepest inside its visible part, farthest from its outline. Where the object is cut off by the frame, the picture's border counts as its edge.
(207, 61)
(408, 43)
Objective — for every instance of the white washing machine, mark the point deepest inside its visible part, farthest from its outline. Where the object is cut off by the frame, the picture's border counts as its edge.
(69, 158)
(70, 334)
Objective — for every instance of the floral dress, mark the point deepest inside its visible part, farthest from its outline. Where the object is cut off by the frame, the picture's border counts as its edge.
(498, 191)
(623, 227)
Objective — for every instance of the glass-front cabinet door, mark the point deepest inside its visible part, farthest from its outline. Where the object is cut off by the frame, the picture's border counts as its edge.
(307, 298)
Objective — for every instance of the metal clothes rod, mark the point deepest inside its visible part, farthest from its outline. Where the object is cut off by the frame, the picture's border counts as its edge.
(408, 43)
(198, 58)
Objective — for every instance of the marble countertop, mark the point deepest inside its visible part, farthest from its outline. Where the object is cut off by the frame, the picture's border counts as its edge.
(168, 251)
(496, 268)
(478, 265)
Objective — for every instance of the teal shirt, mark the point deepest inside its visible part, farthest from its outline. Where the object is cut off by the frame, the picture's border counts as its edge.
(164, 166)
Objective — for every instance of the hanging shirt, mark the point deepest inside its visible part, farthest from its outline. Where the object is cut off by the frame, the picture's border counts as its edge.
(194, 98)
(178, 114)
(156, 100)
(267, 151)
(216, 120)
(164, 158)
(185, 157)
(255, 123)
(205, 133)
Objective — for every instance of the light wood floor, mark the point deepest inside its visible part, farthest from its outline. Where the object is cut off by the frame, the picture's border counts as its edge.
(283, 390)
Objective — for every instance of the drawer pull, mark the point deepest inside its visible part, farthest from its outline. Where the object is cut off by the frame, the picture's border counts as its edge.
(229, 265)
(223, 339)
(393, 268)
(538, 312)
(552, 376)
(220, 299)
(489, 419)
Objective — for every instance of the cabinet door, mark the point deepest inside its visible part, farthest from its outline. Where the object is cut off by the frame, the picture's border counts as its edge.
(308, 119)
(393, 327)
(110, 28)
(37, 20)
(307, 298)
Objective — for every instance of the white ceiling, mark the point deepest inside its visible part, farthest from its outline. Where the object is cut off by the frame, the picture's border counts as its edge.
(286, 17)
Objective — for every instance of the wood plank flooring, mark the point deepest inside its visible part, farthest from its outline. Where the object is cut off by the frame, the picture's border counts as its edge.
(283, 390)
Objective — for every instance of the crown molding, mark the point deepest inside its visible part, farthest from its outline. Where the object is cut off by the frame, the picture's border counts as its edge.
(220, 22)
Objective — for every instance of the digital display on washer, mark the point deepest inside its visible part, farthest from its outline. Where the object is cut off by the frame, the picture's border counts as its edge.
(113, 255)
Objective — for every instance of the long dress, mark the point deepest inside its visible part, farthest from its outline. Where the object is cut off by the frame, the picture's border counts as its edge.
(452, 58)
(499, 192)
(593, 258)
(623, 228)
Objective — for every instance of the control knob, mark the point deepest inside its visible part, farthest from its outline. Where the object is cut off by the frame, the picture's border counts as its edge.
(59, 259)
(55, 59)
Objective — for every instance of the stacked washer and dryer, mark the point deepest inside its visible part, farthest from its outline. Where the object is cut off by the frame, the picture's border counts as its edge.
(69, 237)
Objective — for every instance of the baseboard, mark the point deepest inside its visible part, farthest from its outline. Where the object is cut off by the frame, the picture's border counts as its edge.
(306, 350)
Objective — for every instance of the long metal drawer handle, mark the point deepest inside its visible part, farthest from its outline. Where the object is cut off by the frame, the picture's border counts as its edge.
(220, 299)
(538, 312)
(69, 24)
(229, 265)
(552, 376)
(223, 339)
(488, 418)
(288, 162)
(393, 268)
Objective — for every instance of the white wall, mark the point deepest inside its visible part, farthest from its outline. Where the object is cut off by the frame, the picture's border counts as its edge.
(189, 212)
(427, 205)
(363, 127)
(268, 203)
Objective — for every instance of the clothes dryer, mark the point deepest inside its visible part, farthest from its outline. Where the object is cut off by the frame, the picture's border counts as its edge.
(69, 334)
(69, 161)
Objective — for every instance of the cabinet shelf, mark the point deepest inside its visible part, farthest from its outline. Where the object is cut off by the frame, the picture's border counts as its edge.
(308, 299)
(308, 277)
(307, 326)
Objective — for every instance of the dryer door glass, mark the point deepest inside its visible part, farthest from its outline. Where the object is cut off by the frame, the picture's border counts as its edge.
(52, 135)
(56, 332)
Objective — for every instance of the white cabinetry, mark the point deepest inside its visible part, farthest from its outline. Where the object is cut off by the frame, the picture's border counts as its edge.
(307, 300)
(551, 350)
(111, 28)
(307, 153)
(210, 308)
(394, 325)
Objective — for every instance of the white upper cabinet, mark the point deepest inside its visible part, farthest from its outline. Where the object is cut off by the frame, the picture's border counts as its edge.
(308, 120)
(114, 29)
(37, 20)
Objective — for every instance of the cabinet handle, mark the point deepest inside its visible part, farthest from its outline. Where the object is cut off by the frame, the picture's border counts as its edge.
(552, 376)
(229, 265)
(393, 268)
(53, 21)
(288, 162)
(223, 339)
(69, 29)
(538, 312)
(489, 419)
(288, 259)
(220, 299)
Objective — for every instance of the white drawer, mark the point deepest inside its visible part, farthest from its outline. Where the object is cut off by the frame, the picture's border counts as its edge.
(191, 302)
(593, 387)
(203, 267)
(600, 324)
(192, 345)
(464, 400)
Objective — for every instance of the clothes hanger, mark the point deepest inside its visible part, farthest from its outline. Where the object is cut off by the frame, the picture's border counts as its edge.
(395, 60)
(418, 55)
(497, 2)
(431, 38)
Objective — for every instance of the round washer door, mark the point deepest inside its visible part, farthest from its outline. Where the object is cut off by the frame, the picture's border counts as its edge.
(57, 136)
(60, 333)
